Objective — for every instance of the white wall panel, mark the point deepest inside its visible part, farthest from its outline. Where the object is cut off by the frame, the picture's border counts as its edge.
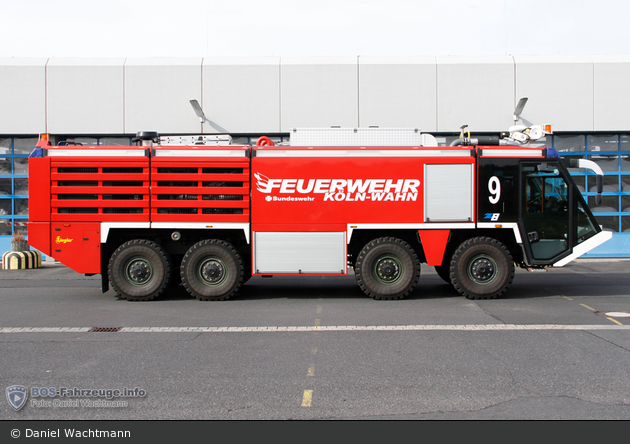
(318, 92)
(611, 93)
(266, 95)
(241, 95)
(398, 92)
(158, 93)
(22, 96)
(559, 90)
(475, 91)
(85, 96)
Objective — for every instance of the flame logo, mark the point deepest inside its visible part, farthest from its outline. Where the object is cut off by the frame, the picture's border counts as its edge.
(262, 183)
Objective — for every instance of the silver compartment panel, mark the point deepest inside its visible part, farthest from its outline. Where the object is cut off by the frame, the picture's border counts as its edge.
(300, 252)
(448, 191)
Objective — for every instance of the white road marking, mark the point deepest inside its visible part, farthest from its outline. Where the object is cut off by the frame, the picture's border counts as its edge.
(321, 328)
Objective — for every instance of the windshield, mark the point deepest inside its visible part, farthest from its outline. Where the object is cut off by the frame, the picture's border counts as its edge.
(585, 224)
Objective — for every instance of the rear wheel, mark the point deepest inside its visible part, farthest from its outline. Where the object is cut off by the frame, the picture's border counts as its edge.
(212, 270)
(139, 270)
(387, 268)
(482, 268)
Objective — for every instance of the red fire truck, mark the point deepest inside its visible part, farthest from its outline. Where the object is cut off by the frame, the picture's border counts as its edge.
(203, 212)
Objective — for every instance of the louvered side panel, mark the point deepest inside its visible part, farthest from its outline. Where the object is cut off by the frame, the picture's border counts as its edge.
(100, 189)
(207, 189)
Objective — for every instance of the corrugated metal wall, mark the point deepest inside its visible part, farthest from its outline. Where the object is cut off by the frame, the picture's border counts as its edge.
(275, 94)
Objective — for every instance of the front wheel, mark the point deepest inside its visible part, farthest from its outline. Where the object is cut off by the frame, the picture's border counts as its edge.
(212, 270)
(482, 268)
(387, 268)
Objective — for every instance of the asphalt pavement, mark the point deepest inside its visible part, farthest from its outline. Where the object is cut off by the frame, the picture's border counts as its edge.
(555, 347)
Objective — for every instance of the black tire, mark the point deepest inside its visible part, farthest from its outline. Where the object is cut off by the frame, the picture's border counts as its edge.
(387, 268)
(212, 270)
(482, 268)
(139, 270)
(444, 271)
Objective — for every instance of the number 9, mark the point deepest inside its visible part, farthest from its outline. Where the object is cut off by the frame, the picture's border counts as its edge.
(494, 186)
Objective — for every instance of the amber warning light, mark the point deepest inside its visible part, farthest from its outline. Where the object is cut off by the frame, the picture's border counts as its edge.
(44, 140)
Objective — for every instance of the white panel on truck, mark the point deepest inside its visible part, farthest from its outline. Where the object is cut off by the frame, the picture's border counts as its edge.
(300, 252)
(448, 193)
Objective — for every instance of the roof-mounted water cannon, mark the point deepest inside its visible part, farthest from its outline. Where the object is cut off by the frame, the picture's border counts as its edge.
(518, 134)
(523, 134)
(198, 110)
(519, 109)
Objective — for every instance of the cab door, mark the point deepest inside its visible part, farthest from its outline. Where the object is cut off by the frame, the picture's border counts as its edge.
(545, 208)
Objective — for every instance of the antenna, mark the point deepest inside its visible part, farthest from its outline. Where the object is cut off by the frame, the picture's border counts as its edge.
(198, 110)
(519, 108)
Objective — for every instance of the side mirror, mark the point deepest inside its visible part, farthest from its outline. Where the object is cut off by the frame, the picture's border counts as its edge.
(600, 188)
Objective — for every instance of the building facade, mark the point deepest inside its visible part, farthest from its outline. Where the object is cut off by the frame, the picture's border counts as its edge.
(104, 101)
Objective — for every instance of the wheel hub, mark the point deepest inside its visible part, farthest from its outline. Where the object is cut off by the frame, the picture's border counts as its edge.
(387, 270)
(212, 271)
(139, 271)
(482, 270)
